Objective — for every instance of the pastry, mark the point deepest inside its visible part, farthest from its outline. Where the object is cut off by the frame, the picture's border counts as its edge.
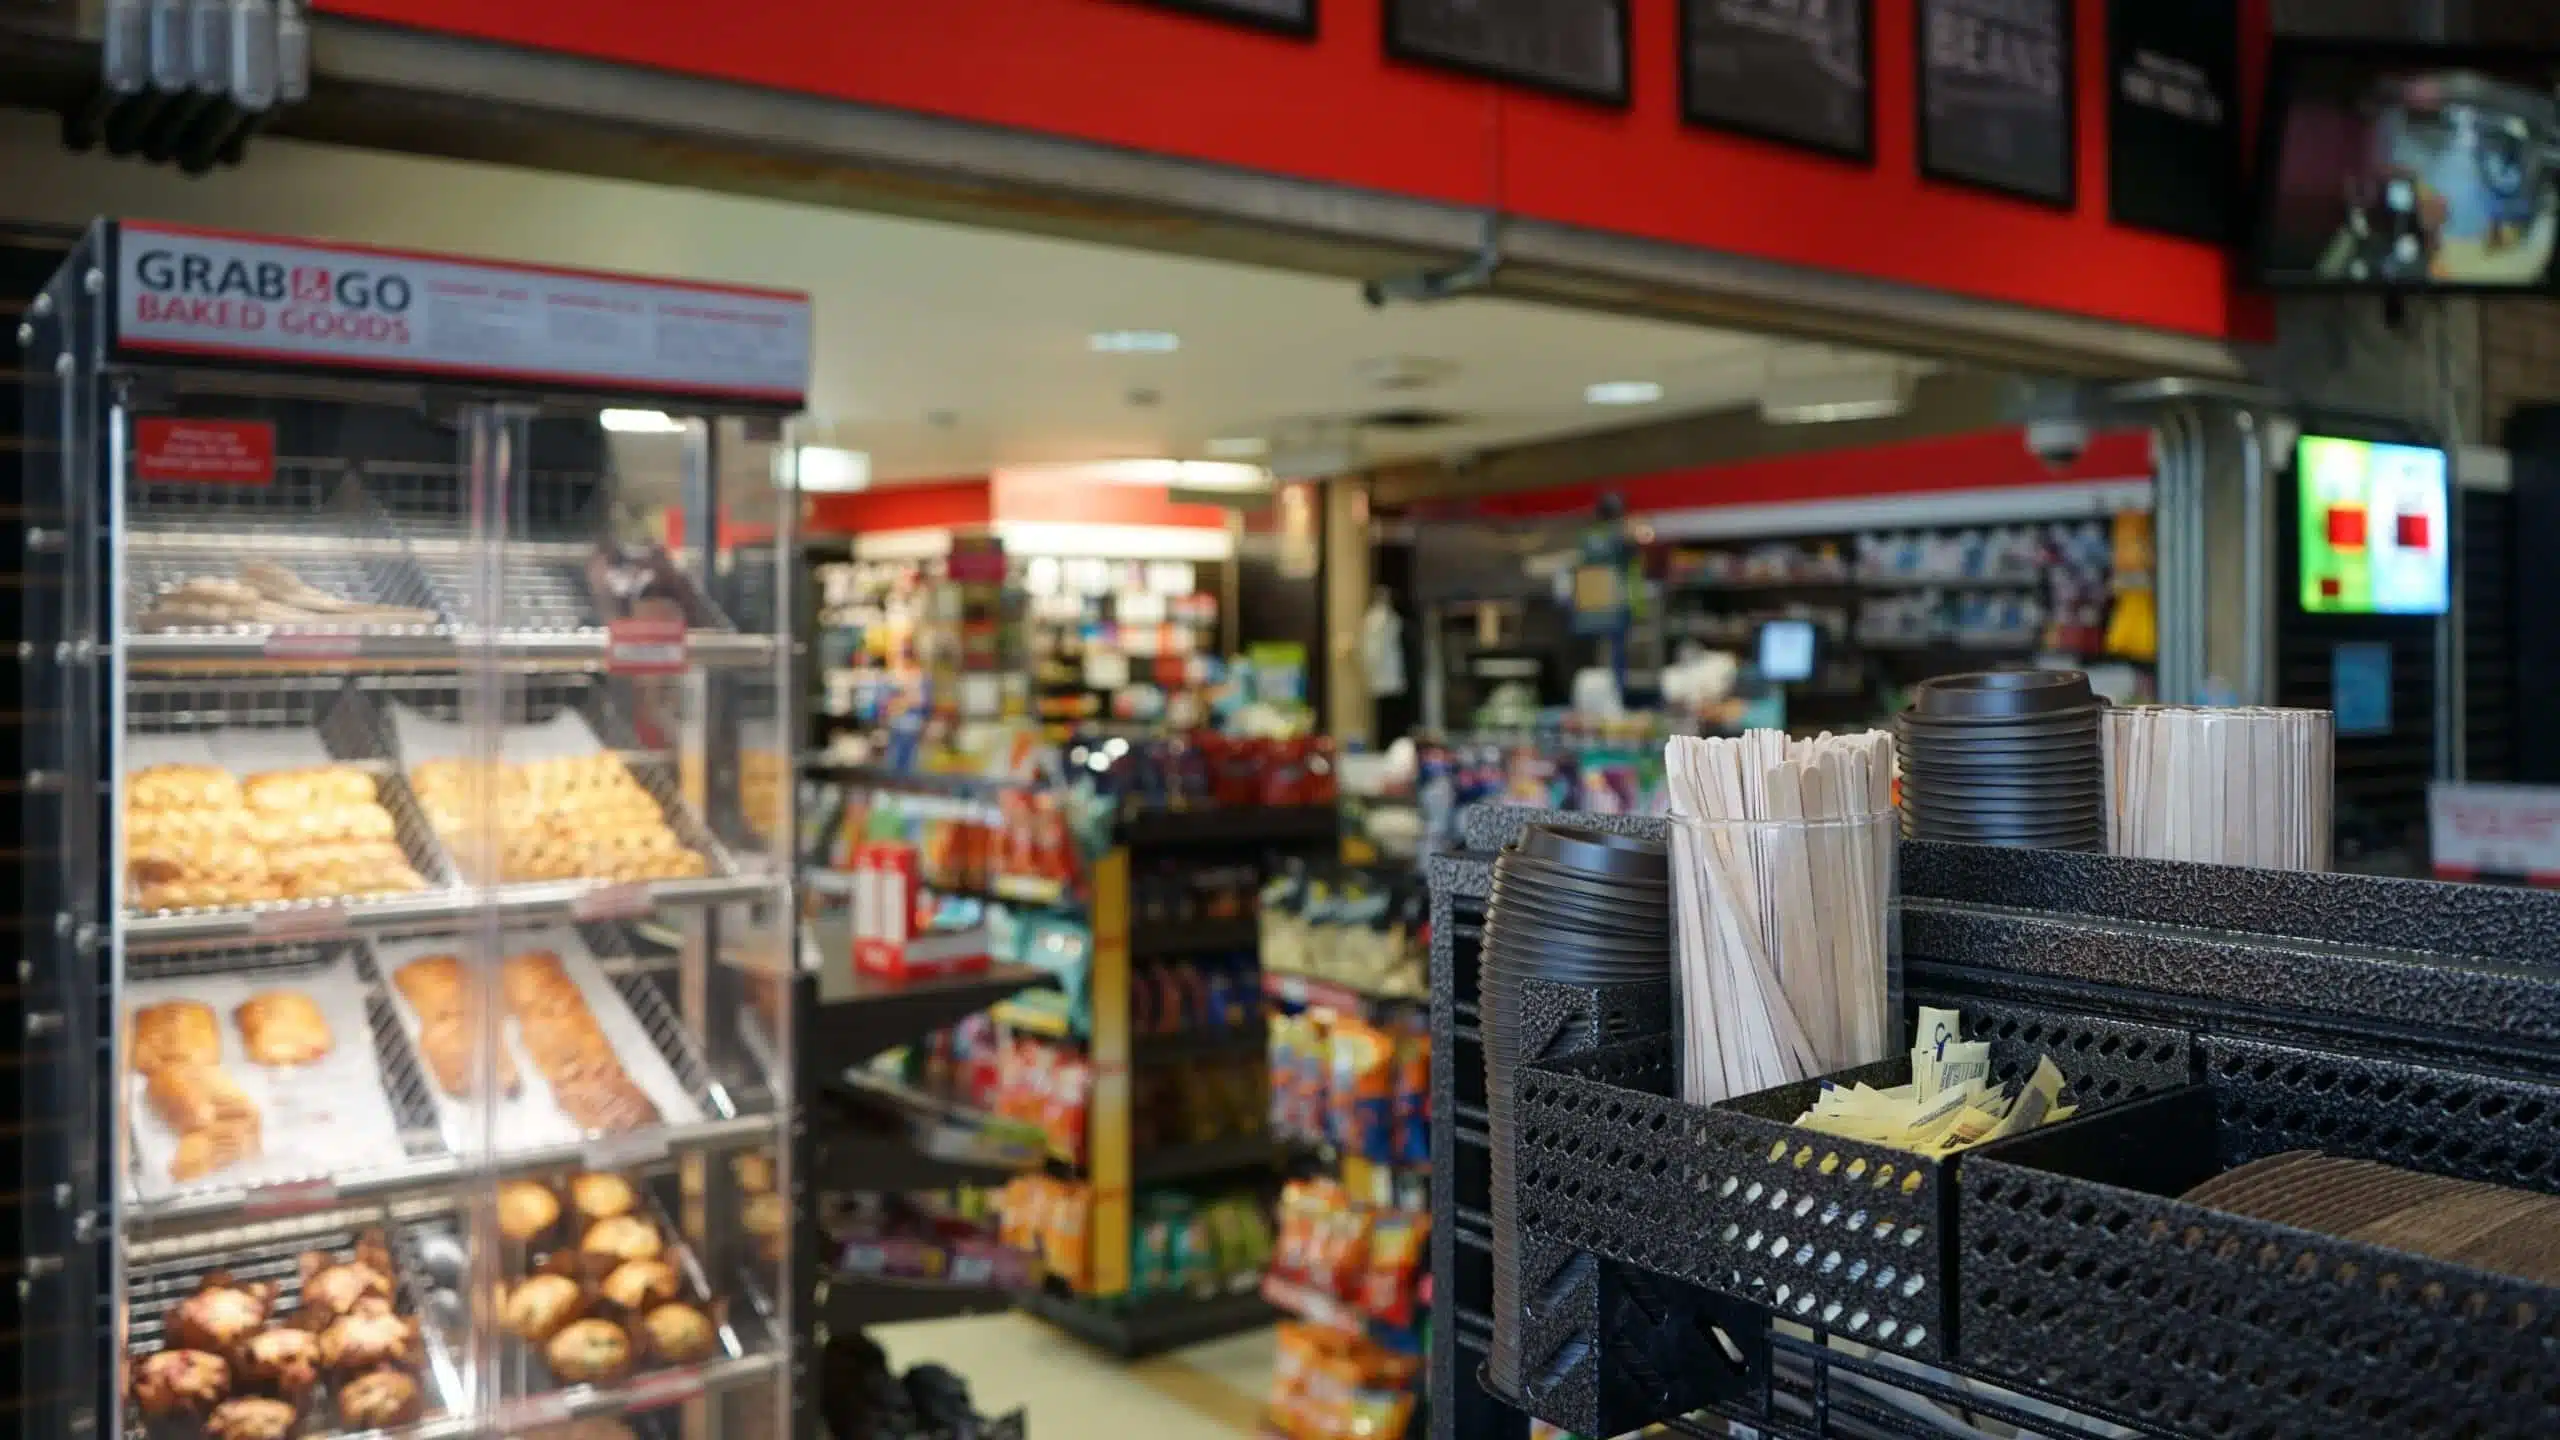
(252, 1417)
(606, 1104)
(537, 1308)
(764, 1215)
(175, 1032)
(569, 1047)
(639, 1284)
(434, 986)
(369, 1335)
(380, 1400)
(284, 1359)
(332, 1290)
(180, 1382)
(201, 1152)
(219, 1318)
(624, 1237)
(753, 1170)
(680, 1334)
(526, 1209)
(320, 788)
(600, 1196)
(283, 1027)
(198, 1097)
(593, 1352)
(450, 1046)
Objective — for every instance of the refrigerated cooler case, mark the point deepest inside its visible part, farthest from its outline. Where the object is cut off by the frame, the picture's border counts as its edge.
(412, 975)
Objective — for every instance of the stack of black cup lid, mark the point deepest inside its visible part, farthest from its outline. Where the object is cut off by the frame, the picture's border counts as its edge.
(2004, 757)
(1576, 907)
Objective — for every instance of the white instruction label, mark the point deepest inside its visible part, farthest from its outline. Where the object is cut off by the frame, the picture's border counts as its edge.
(209, 292)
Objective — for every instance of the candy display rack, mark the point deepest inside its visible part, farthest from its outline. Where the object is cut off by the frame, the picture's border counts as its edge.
(1714, 1270)
(335, 521)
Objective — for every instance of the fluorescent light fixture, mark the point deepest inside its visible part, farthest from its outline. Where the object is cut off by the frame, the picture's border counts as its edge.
(1134, 342)
(641, 422)
(1171, 474)
(1823, 399)
(1237, 447)
(1622, 392)
(826, 470)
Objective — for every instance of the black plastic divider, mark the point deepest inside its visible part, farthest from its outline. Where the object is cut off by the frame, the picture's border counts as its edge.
(2084, 1273)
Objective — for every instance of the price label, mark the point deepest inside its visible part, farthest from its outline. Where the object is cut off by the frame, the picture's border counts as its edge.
(315, 645)
(627, 901)
(645, 645)
(295, 1197)
(533, 1412)
(319, 922)
(621, 1152)
(664, 1388)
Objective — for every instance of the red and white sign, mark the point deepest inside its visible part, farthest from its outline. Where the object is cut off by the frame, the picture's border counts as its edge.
(206, 292)
(2496, 830)
(209, 452)
(645, 645)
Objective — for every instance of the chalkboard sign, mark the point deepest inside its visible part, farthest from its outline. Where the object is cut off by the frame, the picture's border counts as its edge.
(1996, 98)
(1572, 47)
(1293, 17)
(1798, 71)
(2173, 147)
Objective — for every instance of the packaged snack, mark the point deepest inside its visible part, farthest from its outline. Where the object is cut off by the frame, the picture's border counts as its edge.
(1397, 1242)
(1411, 1105)
(1360, 1091)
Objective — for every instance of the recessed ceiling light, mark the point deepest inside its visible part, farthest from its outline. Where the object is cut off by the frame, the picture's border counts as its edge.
(640, 422)
(1237, 447)
(1134, 342)
(1622, 392)
(825, 469)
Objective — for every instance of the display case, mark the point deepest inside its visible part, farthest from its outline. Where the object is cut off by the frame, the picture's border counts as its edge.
(407, 683)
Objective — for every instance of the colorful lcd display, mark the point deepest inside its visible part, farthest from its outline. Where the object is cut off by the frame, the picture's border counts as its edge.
(2374, 539)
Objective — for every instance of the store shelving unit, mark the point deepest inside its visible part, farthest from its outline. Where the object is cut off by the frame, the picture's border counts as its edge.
(335, 520)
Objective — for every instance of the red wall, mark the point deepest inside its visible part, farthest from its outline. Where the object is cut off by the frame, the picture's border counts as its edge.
(1336, 110)
(1983, 460)
(966, 504)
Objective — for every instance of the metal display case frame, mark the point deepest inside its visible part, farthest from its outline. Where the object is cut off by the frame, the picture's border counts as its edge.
(354, 510)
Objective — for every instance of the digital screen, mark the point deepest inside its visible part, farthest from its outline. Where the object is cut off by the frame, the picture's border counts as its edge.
(2408, 168)
(2374, 540)
(1786, 651)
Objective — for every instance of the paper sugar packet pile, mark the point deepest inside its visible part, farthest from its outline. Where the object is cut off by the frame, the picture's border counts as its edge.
(1950, 1104)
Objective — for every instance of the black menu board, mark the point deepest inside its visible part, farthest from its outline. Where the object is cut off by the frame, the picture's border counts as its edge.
(1996, 98)
(1799, 71)
(2173, 145)
(1573, 47)
(1295, 17)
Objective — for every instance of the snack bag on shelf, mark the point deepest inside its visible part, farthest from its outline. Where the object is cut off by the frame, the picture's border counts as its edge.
(1410, 1107)
(1360, 1090)
(1397, 1242)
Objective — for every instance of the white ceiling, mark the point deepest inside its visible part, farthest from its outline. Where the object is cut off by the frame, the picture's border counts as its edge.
(987, 328)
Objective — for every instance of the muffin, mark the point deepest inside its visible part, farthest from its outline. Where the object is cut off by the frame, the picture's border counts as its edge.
(367, 1337)
(601, 1197)
(680, 1334)
(284, 1360)
(380, 1399)
(536, 1309)
(180, 1382)
(219, 1318)
(593, 1352)
(623, 1237)
(753, 1170)
(252, 1417)
(526, 1209)
(764, 1215)
(332, 1290)
(639, 1284)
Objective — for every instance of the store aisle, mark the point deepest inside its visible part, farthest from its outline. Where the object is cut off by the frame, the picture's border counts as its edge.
(1210, 1391)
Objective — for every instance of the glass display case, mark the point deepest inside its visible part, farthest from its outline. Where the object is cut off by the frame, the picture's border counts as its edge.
(406, 674)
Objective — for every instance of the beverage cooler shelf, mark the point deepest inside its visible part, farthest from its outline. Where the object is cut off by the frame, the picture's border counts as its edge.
(1707, 1267)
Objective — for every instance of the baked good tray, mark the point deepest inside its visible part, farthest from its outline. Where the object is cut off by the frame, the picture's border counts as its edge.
(648, 1038)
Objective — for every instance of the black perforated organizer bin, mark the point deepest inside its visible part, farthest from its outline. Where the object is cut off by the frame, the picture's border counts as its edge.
(2205, 1015)
(1735, 1197)
(2083, 1274)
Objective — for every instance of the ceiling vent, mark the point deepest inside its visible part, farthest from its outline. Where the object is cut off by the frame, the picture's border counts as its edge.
(1406, 418)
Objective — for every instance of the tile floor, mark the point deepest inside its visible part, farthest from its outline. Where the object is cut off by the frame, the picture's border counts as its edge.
(1210, 1391)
